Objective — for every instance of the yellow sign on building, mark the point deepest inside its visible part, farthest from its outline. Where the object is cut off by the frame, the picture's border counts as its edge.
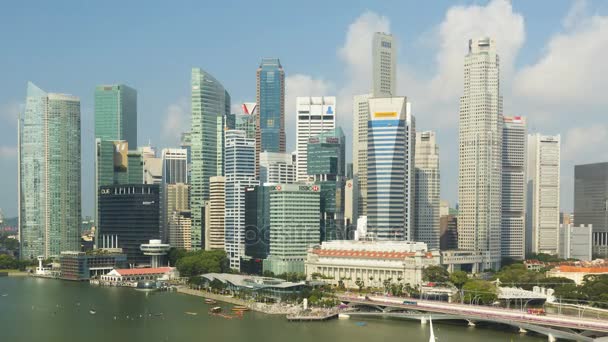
(385, 115)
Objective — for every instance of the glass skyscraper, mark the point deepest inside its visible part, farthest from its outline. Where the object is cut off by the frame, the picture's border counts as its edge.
(210, 103)
(49, 174)
(116, 113)
(271, 106)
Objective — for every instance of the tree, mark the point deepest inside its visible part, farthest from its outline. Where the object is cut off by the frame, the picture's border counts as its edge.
(175, 254)
(459, 278)
(435, 274)
(360, 284)
(200, 262)
(479, 291)
(387, 284)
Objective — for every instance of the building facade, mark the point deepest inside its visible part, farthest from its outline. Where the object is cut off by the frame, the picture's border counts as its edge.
(129, 216)
(215, 218)
(175, 165)
(210, 103)
(591, 202)
(271, 106)
(427, 187)
(315, 115)
(390, 181)
(49, 174)
(360, 118)
(543, 190)
(513, 220)
(575, 242)
(384, 65)
(480, 152)
(180, 226)
(240, 174)
(277, 167)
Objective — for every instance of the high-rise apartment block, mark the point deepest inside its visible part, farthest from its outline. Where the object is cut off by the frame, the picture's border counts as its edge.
(315, 115)
(427, 187)
(591, 202)
(480, 153)
(390, 165)
(513, 221)
(543, 190)
(49, 174)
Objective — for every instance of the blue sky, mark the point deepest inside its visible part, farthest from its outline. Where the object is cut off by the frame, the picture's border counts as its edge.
(552, 53)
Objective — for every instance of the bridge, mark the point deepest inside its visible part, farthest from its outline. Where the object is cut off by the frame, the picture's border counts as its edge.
(553, 326)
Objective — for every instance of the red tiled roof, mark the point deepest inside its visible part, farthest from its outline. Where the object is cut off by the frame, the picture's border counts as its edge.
(340, 253)
(142, 271)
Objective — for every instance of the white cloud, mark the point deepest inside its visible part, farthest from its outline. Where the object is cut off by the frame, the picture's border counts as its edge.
(577, 13)
(585, 144)
(7, 152)
(177, 120)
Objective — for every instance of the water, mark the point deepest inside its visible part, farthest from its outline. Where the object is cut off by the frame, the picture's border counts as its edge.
(57, 311)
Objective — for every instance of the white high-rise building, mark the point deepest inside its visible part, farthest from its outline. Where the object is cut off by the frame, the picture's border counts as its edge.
(315, 115)
(361, 115)
(384, 60)
(427, 200)
(277, 167)
(239, 168)
(542, 224)
(214, 217)
(513, 224)
(390, 151)
(480, 153)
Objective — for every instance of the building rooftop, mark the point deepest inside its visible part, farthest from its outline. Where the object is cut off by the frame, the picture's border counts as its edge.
(252, 282)
(342, 253)
(143, 271)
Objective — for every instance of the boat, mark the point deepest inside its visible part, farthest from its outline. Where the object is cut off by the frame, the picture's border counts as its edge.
(191, 313)
(210, 301)
(215, 309)
(92, 311)
(343, 316)
(4, 294)
(432, 338)
(361, 324)
(240, 308)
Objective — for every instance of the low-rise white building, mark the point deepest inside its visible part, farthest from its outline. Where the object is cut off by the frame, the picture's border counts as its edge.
(139, 274)
(372, 262)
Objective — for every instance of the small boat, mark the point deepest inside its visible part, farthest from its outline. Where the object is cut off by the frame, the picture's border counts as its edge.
(191, 313)
(210, 301)
(216, 309)
(361, 324)
(240, 308)
(92, 311)
(343, 316)
(4, 294)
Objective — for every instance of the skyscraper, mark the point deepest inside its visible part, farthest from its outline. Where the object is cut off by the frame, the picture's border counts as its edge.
(480, 153)
(591, 202)
(427, 190)
(271, 106)
(513, 224)
(543, 194)
(277, 167)
(315, 115)
(175, 199)
(49, 174)
(175, 165)
(384, 60)
(361, 116)
(209, 104)
(391, 135)
(240, 174)
(215, 218)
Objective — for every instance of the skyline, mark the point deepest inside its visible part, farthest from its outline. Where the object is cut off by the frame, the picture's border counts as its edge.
(433, 88)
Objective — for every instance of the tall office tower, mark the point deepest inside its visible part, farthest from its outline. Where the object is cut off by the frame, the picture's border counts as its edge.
(391, 140)
(543, 177)
(384, 60)
(513, 221)
(215, 219)
(427, 200)
(246, 121)
(174, 198)
(49, 174)
(480, 153)
(180, 226)
(277, 167)
(361, 116)
(116, 164)
(294, 226)
(186, 144)
(315, 115)
(591, 202)
(174, 165)
(326, 168)
(270, 122)
(129, 215)
(115, 120)
(240, 174)
(257, 228)
(209, 102)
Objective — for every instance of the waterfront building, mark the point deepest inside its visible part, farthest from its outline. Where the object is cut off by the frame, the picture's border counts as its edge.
(277, 167)
(156, 250)
(325, 168)
(384, 65)
(577, 273)
(264, 287)
(480, 152)
(427, 227)
(49, 174)
(270, 100)
(240, 174)
(83, 266)
(575, 242)
(180, 226)
(133, 275)
(591, 202)
(129, 217)
(210, 102)
(214, 219)
(360, 118)
(294, 226)
(314, 115)
(513, 219)
(372, 262)
(543, 190)
(391, 139)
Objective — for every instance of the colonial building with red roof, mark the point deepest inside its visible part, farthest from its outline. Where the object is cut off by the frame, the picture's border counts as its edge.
(128, 275)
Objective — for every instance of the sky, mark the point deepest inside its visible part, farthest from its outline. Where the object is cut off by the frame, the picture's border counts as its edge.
(552, 56)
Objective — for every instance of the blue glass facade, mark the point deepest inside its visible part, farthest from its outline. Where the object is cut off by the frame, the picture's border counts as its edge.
(271, 106)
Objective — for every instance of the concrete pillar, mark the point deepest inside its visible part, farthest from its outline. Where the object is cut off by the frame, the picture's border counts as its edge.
(471, 323)
(522, 330)
(551, 338)
(423, 320)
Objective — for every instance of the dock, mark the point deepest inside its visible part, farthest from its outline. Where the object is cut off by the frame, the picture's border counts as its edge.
(312, 318)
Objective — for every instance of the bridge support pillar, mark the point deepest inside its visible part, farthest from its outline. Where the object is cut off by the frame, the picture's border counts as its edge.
(551, 338)
(471, 323)
(423, 320)
(522, 330)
